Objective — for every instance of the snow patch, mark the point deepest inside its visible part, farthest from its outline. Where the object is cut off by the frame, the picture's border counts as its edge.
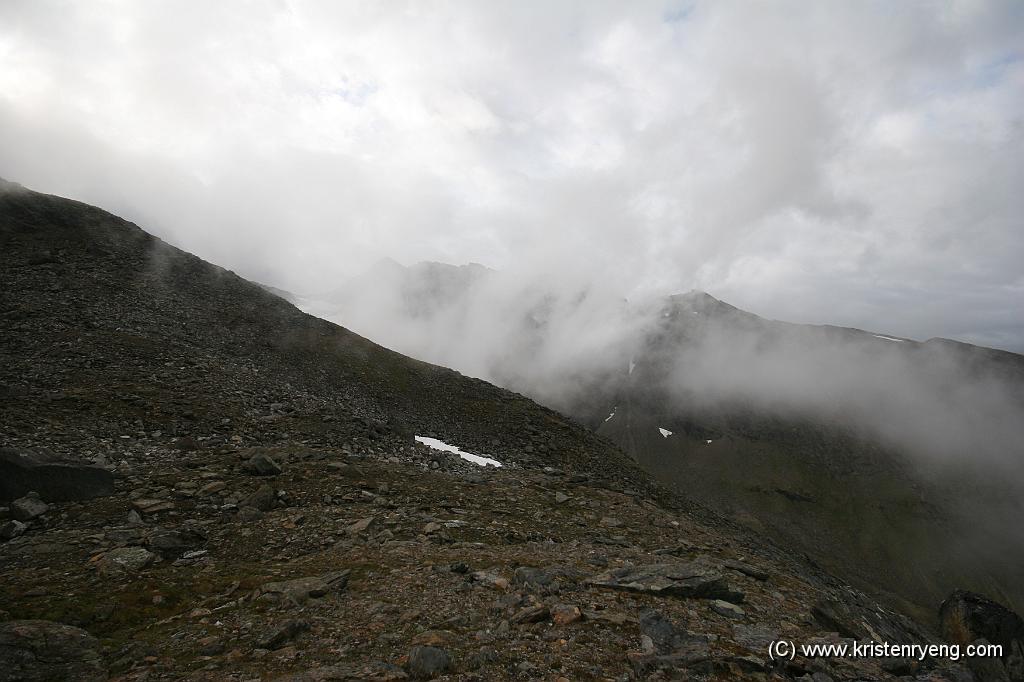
(888, 338)
(665, 433)
(468, 456)
(609, 417)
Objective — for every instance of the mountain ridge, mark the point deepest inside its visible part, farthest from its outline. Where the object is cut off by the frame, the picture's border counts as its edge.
(824, 399)
(272, 515)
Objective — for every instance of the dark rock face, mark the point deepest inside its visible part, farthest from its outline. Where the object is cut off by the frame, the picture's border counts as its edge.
(966, 616)
(862, 621)
(665, 647)
(42, 650)
(55, 479)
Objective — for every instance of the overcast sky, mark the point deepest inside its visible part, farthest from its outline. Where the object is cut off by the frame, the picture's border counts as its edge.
(856, 163)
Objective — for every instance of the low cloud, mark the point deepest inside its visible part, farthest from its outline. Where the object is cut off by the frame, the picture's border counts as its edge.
(849, 163)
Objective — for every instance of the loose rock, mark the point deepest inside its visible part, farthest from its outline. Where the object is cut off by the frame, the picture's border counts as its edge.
(261, 464)
(125, 560)
(41, 651)
(685, 580)
(427, 662)
(28, 507)
(54, 478)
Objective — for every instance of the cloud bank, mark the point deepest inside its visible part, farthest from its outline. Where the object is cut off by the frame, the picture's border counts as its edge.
(852, 163)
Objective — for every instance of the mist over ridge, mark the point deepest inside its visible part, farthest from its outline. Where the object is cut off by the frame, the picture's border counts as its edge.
(854, 164)
(470, 340)
(563, 342)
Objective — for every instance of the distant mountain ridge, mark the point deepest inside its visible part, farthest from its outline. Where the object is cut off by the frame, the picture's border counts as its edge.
(841, 442)
(264, 504)
(870, 453)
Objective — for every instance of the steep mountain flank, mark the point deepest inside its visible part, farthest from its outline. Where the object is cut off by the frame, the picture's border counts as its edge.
(859, 449)
(112, 326)
(897, 464)
(273, 516)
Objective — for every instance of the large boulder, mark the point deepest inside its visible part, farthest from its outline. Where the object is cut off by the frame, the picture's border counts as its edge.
(32, 650)
(12, 529)
(301, 590)
(56, 479)
(28, 507)
(966, 617)
(681, 579)
(171, 544)
(663, 647)
(261, 464)
(427, 662)
(124, 561)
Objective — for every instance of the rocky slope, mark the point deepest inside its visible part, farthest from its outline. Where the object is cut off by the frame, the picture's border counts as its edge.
(859, 449)
(897, 464)
(269, 515)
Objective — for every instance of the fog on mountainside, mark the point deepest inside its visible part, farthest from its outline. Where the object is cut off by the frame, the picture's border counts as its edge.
(521, 332)
(940, 400)
(895, 462)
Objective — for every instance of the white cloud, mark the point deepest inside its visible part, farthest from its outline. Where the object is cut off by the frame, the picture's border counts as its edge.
(854, 163)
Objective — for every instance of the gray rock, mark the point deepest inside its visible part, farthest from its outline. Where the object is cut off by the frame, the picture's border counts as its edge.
(38, 650)
(482, 657)
(746, 569)
(727, 609)
(531, 614)
(367, 525)
(966, 616)
(755, 637)
(263, 499)
(372, 671)
(681, 579)
(528, 575)
(56, 479)
(212, 649)
(860, 620)
(11, 530)
(665, 647)
(28, 507)
(301, 590)
(249, 514)
(988, 669)
(281, 634)
(146, 505)
(261, 464)
(565, 614)
(426, 662)
(171, 544)
(125, 560)
(659, 630)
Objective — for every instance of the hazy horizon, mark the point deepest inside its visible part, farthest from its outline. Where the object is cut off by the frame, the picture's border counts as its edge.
(835, 163)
